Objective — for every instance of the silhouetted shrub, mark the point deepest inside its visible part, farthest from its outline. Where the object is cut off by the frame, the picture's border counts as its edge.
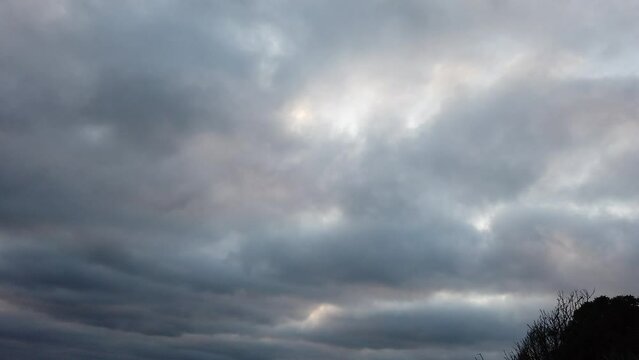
(578, 328)
(544, 337)
(603, 329)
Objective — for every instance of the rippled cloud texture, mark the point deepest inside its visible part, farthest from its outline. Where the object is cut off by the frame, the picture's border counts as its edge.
(310, 179)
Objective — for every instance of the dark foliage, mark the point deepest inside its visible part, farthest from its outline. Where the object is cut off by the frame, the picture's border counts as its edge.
(578, 328)
(604, 329)
(544, 337)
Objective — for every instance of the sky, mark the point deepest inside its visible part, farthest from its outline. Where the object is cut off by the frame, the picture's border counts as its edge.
(306, 180)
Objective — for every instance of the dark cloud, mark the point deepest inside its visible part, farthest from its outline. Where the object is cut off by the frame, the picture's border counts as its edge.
(435, 326)
(297, 179)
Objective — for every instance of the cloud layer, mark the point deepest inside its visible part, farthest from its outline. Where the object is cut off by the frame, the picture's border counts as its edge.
(310, 179)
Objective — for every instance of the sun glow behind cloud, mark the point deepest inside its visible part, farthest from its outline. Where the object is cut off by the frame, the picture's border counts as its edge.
(360, 97)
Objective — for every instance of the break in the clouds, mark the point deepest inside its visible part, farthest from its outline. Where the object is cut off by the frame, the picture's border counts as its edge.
(363, 180)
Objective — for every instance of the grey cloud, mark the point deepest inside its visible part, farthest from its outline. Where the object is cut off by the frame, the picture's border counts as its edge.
(562, 248)
(181, 180)
(495, 148)
(431, 326)
(394, 255)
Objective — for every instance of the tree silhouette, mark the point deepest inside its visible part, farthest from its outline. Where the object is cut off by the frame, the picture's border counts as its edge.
(545, 335)
(578, 328)
(604, 329)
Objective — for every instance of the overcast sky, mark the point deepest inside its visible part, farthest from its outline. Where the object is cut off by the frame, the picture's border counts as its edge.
(310, 180)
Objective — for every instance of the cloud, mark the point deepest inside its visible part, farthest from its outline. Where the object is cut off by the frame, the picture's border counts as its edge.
(286, 179)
